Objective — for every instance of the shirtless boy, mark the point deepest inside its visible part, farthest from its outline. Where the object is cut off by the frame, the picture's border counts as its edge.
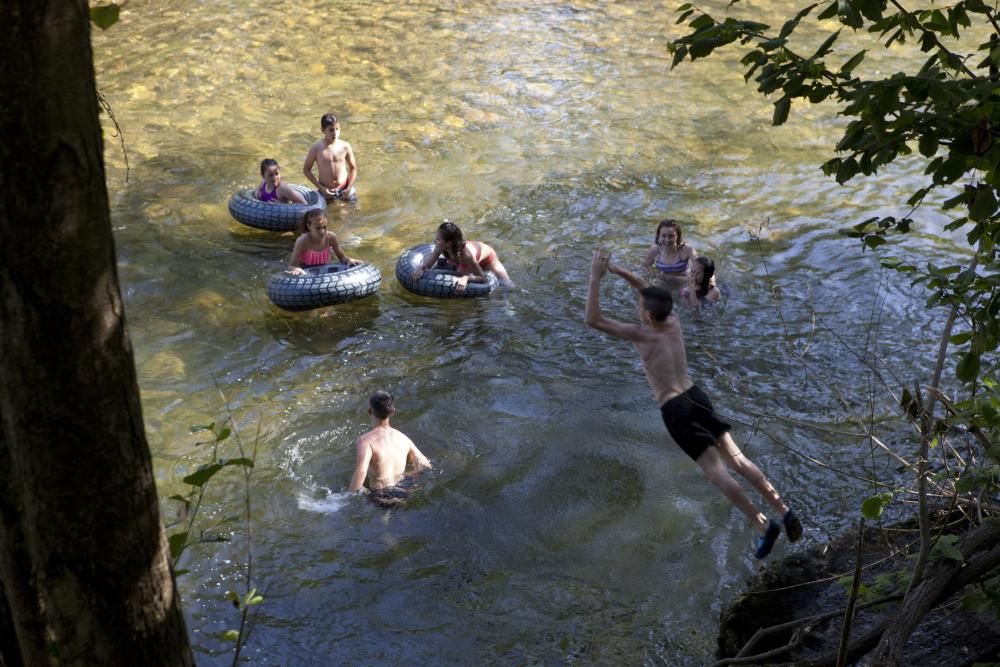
(383, 452)
(334, 160)
(687, 411)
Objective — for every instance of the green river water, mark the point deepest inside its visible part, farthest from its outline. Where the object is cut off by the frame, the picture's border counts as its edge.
(560, 524)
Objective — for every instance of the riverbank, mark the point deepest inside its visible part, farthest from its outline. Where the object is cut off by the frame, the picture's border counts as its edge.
(815, 585)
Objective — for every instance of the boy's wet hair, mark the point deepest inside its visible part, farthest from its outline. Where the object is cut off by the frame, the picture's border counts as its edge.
(266, 164)
(708, 270)
(451, 234)
(669, 223)
(309, 217)
(327, 120)
(381, 404)
(657, 302)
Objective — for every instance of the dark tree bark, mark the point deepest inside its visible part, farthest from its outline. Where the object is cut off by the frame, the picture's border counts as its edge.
(980, 550)
(84, 562)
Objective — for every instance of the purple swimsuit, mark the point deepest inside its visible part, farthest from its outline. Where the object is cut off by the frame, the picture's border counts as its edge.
(264, 195)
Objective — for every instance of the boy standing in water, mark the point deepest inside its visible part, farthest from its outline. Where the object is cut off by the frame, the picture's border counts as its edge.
(383, 453)
(687, 411)
(334, 160)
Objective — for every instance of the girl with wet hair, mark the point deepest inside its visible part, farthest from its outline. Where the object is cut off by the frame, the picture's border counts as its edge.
(701, 288)
(669, 253)
(272, 188)
(472, 258)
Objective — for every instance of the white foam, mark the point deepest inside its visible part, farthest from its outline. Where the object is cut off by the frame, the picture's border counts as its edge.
(328, 505)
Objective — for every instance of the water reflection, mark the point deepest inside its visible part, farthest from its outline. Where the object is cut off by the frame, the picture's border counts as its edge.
(560, 524)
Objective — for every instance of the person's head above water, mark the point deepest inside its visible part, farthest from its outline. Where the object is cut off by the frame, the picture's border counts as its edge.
(702, 271)
(451, 236)
(663, 232)
(327, 120)
(266, 164)
(381, 404)
(311, 218)
(656, 302)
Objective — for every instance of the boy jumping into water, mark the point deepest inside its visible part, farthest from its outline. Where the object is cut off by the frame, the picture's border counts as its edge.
(383, 453)
(687, 412)
(334, 160)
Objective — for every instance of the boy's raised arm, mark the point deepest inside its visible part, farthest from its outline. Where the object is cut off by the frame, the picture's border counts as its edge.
(632, 279)
(593, 316)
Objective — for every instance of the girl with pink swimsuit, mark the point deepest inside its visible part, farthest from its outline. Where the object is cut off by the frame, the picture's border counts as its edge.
(316, 244)
(471, 257)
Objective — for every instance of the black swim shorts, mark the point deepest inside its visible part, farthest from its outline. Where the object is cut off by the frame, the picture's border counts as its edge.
(692, 422)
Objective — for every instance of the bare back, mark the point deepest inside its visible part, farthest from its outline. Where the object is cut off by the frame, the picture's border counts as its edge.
(387, 452)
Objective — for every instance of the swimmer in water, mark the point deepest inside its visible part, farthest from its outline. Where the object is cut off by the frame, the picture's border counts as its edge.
(669, 253)
(701, 289)
(334, 160)
(383, 454)
(472, 258)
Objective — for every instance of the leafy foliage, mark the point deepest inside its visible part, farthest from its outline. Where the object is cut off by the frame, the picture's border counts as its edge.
(187, 513)
(944, 113)
(105, 16)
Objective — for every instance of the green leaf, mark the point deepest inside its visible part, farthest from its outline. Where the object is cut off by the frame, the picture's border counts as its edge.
(233, 597)
(231, 635)
(825, 47)
(830, 11)
(960, 338)
(928, 144)
(846, 170)
(968, 367)
(984, 205)
(254, 600)
(104, 16)
(945, 548)
(702, 23)
(791, 24)
(853, 62)
(848, 14)
(239, 462)
(178, 542)
(873, 507)
(223, 434)
(203, 475)
(781, 108)
(872, 9)
(679, 56)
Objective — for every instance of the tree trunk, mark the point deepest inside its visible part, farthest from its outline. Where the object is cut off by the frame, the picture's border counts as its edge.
(980, 549)
(84, 563)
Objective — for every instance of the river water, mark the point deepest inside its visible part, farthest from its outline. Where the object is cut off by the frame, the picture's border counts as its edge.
(559, 524)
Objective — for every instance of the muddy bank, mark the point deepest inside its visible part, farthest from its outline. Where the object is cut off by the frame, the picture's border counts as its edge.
(809, 585)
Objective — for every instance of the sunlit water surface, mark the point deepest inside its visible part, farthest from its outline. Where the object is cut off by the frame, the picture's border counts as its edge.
(560, 524)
